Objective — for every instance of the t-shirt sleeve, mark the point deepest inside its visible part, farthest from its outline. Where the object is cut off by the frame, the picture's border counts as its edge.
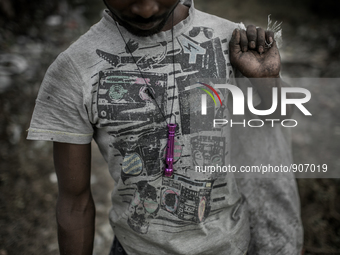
(60, 112)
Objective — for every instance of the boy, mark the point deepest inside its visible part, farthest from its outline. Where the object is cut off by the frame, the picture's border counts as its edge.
(123, 83)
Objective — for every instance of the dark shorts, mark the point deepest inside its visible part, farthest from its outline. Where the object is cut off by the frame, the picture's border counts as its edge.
(117, 248)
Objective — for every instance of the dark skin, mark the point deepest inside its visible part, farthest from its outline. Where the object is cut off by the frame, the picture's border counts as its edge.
(147, 17)
(75, 206)
(75, 209)
(250, 55)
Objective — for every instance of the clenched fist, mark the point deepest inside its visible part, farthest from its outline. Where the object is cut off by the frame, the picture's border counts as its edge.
(254, 53)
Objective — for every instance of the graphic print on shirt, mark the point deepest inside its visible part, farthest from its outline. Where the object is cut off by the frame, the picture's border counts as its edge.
(138, 130)
(123, 96)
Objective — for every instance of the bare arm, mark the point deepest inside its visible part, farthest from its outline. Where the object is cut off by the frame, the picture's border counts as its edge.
(75, 206)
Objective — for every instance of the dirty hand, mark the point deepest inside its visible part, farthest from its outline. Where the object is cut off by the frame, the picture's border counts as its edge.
(254, 53)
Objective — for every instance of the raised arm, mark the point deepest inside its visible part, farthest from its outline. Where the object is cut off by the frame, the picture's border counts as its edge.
(75, 206)
(255, 54)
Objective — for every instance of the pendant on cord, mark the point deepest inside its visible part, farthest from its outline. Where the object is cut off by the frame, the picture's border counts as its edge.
(170, 150)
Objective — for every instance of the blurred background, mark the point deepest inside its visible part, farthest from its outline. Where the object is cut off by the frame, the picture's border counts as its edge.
(33, 33)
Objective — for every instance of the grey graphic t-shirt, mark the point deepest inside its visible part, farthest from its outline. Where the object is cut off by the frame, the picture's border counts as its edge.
(98, 88)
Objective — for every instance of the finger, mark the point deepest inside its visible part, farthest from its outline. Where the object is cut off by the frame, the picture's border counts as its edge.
(269, 39)
(261, 37)
(251, 35)
(244, 40)
(234, 44)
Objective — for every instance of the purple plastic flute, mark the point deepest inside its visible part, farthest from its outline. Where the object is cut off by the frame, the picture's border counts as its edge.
(170, 150)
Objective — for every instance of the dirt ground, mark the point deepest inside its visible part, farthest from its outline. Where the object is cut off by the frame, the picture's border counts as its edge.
(28, 187)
